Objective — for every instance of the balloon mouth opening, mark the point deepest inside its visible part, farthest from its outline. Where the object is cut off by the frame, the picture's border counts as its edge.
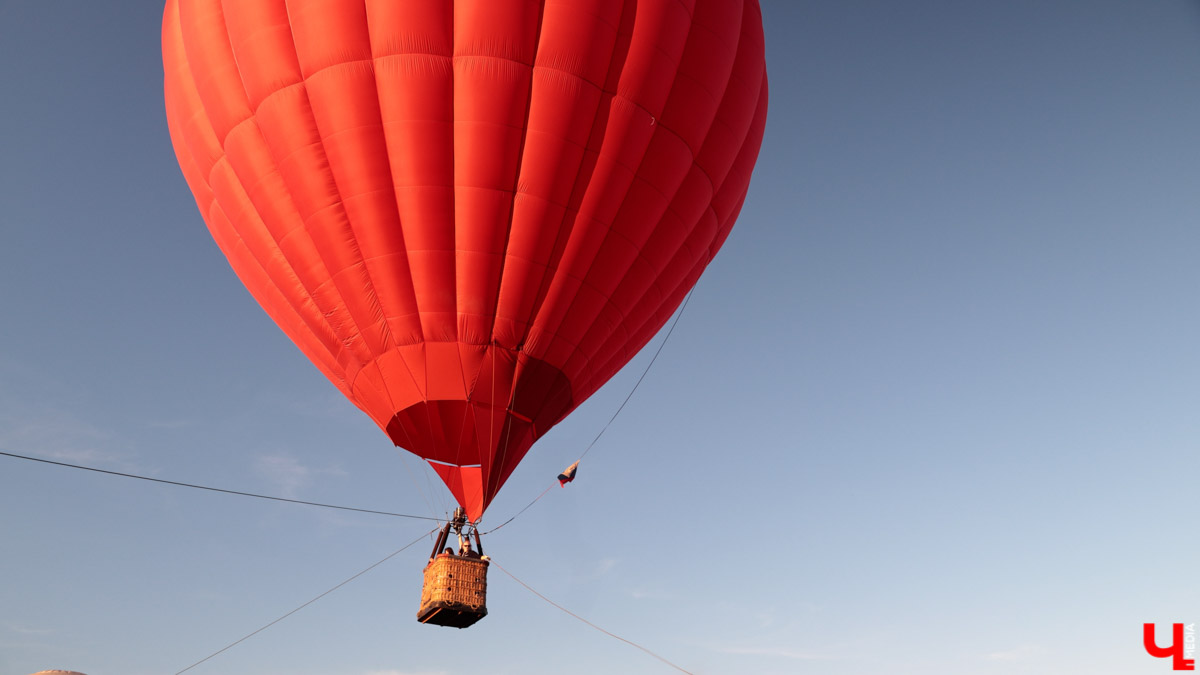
(472, 447)
(476, 439)
(461, 433)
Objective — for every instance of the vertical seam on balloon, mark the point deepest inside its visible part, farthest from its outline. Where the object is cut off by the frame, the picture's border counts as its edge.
(516, 186)
(462, 374)
(546, 277)
(395, 204)
(239, 240)
(681, 288)
(469, 412)
(427, 404)
(587, 273)
(685, 250)
(391, 175)
(565, 205)
(754, 135)
(584, 281)
(453, 207)
(452, 7)
(717, 119)
(553, 274)
(708, 252)
(224, 155)
(373, 306)
(270, 235)
(376, 305)
(719, 98)
(492, 414)
(537, 40)
(581, 279)
(577, 348)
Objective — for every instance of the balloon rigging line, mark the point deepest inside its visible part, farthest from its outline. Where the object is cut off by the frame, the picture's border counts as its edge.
(213, 489)
(425, 473)
(618, 412)
(519, 512)
(426, 496)
(564, 609)
(250, 635)
(644, 372)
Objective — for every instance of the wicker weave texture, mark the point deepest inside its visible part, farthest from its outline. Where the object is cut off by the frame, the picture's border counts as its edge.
(456, 581)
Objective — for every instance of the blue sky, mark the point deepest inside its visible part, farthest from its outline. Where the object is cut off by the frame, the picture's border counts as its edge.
(933, 409)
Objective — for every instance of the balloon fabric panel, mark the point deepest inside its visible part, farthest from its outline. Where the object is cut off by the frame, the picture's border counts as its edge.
(468, 215)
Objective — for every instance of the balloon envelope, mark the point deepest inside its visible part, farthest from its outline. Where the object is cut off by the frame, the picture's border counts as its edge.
(469, 215)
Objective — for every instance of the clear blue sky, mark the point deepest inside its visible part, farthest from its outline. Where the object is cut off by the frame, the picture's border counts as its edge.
(934, 409)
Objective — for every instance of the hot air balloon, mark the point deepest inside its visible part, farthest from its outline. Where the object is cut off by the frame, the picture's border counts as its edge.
(469, 215)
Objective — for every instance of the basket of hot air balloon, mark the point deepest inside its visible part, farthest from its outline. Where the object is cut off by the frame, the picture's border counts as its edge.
(455, 590)
(468, 215)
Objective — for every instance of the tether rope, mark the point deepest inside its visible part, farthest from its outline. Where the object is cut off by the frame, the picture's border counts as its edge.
(250, 635)
(213, 489)
(564, 609)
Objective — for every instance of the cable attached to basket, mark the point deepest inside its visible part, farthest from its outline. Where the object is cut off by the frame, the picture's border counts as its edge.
(215, 489)
(514, 517)
(256, 632)
(564, 609)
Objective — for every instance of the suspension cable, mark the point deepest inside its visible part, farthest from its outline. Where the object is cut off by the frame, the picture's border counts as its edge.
(213, 489)
(519, 512)
(644, 373)
(564, 609)
(256, 632)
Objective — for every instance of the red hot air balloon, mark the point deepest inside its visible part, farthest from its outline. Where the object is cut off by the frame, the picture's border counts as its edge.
(469, 215)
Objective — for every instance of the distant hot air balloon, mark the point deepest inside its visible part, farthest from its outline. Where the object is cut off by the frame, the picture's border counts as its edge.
(57, 672)
(469, 215)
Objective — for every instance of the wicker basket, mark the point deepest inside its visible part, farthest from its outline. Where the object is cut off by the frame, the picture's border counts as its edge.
(455, 591)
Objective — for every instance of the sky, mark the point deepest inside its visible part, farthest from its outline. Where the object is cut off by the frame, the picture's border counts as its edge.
(931, 410)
